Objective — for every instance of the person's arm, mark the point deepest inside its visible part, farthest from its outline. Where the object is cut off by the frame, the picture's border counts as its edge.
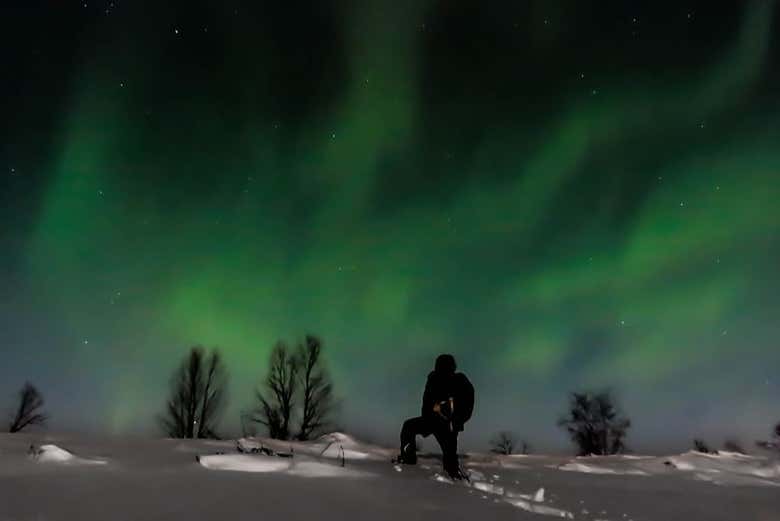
(464, 403)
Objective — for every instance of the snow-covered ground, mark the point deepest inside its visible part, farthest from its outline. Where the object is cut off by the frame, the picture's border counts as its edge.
(48, 477)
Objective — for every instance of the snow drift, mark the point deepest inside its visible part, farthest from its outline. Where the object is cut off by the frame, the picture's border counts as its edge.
(54, 454)
(302, 466)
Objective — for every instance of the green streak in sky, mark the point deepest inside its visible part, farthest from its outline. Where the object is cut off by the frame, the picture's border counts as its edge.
(285, 239)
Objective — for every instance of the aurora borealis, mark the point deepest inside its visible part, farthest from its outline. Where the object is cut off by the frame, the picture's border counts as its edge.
(561, 195)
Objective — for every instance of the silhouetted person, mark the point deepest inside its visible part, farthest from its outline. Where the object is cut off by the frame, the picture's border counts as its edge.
(447, 405)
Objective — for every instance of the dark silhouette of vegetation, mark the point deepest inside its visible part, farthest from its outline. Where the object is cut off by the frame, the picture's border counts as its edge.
(732, 445)
(296, 382)
(774, 443)
(316, 388)
(700, 445)
(502, 443)
(594, 424)
(278, 398)
(28, 409)
(525, 447)
(198, 396)
(248, 425)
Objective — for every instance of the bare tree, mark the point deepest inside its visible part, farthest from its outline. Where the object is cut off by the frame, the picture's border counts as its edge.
(28, 411)
(594, 424)
(277, 401)
(502, 443)
(316, 388)
(214, 396)
(198, 392)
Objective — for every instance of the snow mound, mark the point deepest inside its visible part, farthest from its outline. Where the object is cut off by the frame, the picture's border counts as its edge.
(499, 464)
(489, 488)
(475, 475)
(528, 502)
(724, 468)
(537, 496)
(594, 469)
(442, 479)
(340, 437)
(338, 445)
(54, 454)
(314, 469)
(244, 463)
(540, 509)
(293, 467)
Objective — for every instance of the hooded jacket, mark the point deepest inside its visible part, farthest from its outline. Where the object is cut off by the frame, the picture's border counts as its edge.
(440, 387)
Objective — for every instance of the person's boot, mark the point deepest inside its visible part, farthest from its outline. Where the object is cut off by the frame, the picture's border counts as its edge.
(453, 470)
(408, 455)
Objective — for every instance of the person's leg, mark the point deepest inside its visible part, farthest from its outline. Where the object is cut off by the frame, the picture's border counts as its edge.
(448, 441)
(411, 428)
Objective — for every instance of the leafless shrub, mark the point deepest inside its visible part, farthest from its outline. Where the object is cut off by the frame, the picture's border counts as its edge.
(502, 443)
(28, 409)
(700, 445)
(594, 424)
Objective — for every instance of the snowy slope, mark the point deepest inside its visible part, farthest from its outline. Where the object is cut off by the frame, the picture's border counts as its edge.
(338, 477)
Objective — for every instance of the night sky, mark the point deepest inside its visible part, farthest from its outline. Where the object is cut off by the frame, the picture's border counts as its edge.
(564, 195)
